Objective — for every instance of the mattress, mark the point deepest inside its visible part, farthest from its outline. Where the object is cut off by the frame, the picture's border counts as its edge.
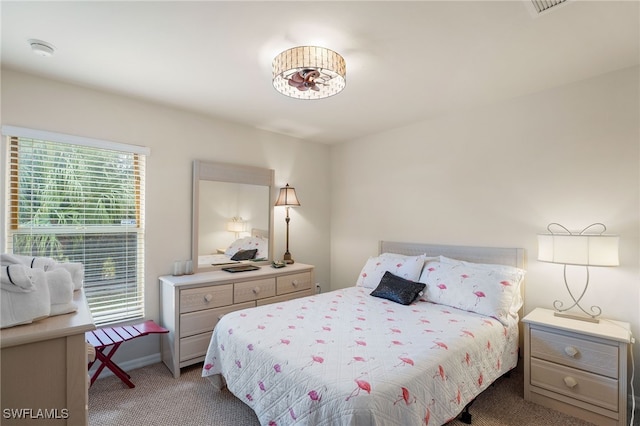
(347, 358)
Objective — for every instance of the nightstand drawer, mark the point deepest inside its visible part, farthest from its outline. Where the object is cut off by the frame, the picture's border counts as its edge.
(254, 290)
(587, 387)
(204, 321)
(586, 355)
(293, 282)
(196, 299)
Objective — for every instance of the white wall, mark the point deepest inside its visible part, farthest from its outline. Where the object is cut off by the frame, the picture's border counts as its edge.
(176, 138)
(493, 176)
(496, 176)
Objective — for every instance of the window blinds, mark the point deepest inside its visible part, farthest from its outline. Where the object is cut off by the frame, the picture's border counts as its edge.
(78, 203)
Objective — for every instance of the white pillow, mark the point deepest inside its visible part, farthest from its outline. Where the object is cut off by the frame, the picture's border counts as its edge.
(407, 267)
(492, 290)
(235, 246)
(517, 301)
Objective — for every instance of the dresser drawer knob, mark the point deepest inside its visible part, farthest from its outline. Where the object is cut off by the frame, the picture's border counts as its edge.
(571, 351)
(256, 290)
(208, 298)
(570, 382)
(294, 283)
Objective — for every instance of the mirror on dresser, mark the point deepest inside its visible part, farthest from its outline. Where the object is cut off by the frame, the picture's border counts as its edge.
(231, 204)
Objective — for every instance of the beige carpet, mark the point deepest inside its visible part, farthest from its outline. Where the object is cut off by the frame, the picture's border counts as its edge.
(159, 399)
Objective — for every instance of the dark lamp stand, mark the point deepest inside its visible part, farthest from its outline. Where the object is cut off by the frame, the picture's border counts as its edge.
(287, 198)
(287, 256)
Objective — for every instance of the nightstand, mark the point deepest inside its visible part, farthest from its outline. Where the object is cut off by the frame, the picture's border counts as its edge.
(577, 367)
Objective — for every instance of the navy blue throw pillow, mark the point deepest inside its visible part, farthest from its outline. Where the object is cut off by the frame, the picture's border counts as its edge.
(245, 254)
(398, 289)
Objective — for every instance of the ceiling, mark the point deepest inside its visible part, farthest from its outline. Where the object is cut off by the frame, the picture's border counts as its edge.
(406, 61)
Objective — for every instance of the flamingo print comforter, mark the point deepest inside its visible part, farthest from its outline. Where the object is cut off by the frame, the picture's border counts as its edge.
(347, 358)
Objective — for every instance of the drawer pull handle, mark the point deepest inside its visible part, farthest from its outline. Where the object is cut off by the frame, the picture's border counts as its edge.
(571, 351)
(208, 298)
(294, 283)
(570, 382)
(256, 290)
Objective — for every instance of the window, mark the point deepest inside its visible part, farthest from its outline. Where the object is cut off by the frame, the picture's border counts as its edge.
(81, 200)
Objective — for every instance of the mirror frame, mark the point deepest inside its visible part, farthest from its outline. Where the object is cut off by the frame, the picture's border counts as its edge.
(231, 173)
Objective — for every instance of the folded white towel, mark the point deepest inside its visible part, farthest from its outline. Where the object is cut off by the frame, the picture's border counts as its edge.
(77, 273)
(24, 308)
(10, 259)
(63, 308)
(60, 285)
(42, 263)
(56, 284)
(37, 262)
(60, 291)
(17, 279)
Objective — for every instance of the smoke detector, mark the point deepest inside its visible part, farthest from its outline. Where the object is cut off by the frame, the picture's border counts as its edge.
(41, 48)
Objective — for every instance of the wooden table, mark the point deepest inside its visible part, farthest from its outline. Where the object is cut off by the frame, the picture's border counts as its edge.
(44, 369)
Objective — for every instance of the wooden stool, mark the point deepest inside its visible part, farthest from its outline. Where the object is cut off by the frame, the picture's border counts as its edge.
(104, 337)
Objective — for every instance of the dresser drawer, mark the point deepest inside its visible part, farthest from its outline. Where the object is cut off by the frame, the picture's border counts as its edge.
(590, 388)
(196, 299)
(254, 290)
(194, 346)
(294, 282)
(586, 355)
(204, 321)
(284, 297)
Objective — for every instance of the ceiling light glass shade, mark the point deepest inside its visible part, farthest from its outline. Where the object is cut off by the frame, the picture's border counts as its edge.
(309, 72)
(589, 250)
(287, 197)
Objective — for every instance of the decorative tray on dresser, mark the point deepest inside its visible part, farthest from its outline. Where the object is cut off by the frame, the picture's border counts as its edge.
(577, 367)
(191, 305)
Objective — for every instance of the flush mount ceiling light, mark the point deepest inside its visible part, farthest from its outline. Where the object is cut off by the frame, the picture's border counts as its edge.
(309, 72)
(41, 48)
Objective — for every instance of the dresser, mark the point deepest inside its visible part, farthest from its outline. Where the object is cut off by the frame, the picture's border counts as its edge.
(577, 367)
(191, 305)
(44, 369)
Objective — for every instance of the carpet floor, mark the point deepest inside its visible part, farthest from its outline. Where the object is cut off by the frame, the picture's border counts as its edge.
(159, 399)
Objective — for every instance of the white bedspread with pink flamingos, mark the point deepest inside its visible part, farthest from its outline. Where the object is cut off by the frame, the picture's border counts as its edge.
(348, 358)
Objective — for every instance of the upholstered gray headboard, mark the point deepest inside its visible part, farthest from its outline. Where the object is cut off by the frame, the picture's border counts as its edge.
(262, 233)
(497, 255)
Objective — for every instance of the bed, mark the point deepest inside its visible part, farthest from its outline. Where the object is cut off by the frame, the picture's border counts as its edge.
(257, 240)
(348, 358)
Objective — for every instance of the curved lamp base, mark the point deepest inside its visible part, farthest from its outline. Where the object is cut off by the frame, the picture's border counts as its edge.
(576, 317)
(590, 317)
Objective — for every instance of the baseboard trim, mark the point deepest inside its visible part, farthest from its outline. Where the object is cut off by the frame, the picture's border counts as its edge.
(128, 365)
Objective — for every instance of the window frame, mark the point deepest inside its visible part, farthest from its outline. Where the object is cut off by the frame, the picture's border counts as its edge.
(120, 311)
